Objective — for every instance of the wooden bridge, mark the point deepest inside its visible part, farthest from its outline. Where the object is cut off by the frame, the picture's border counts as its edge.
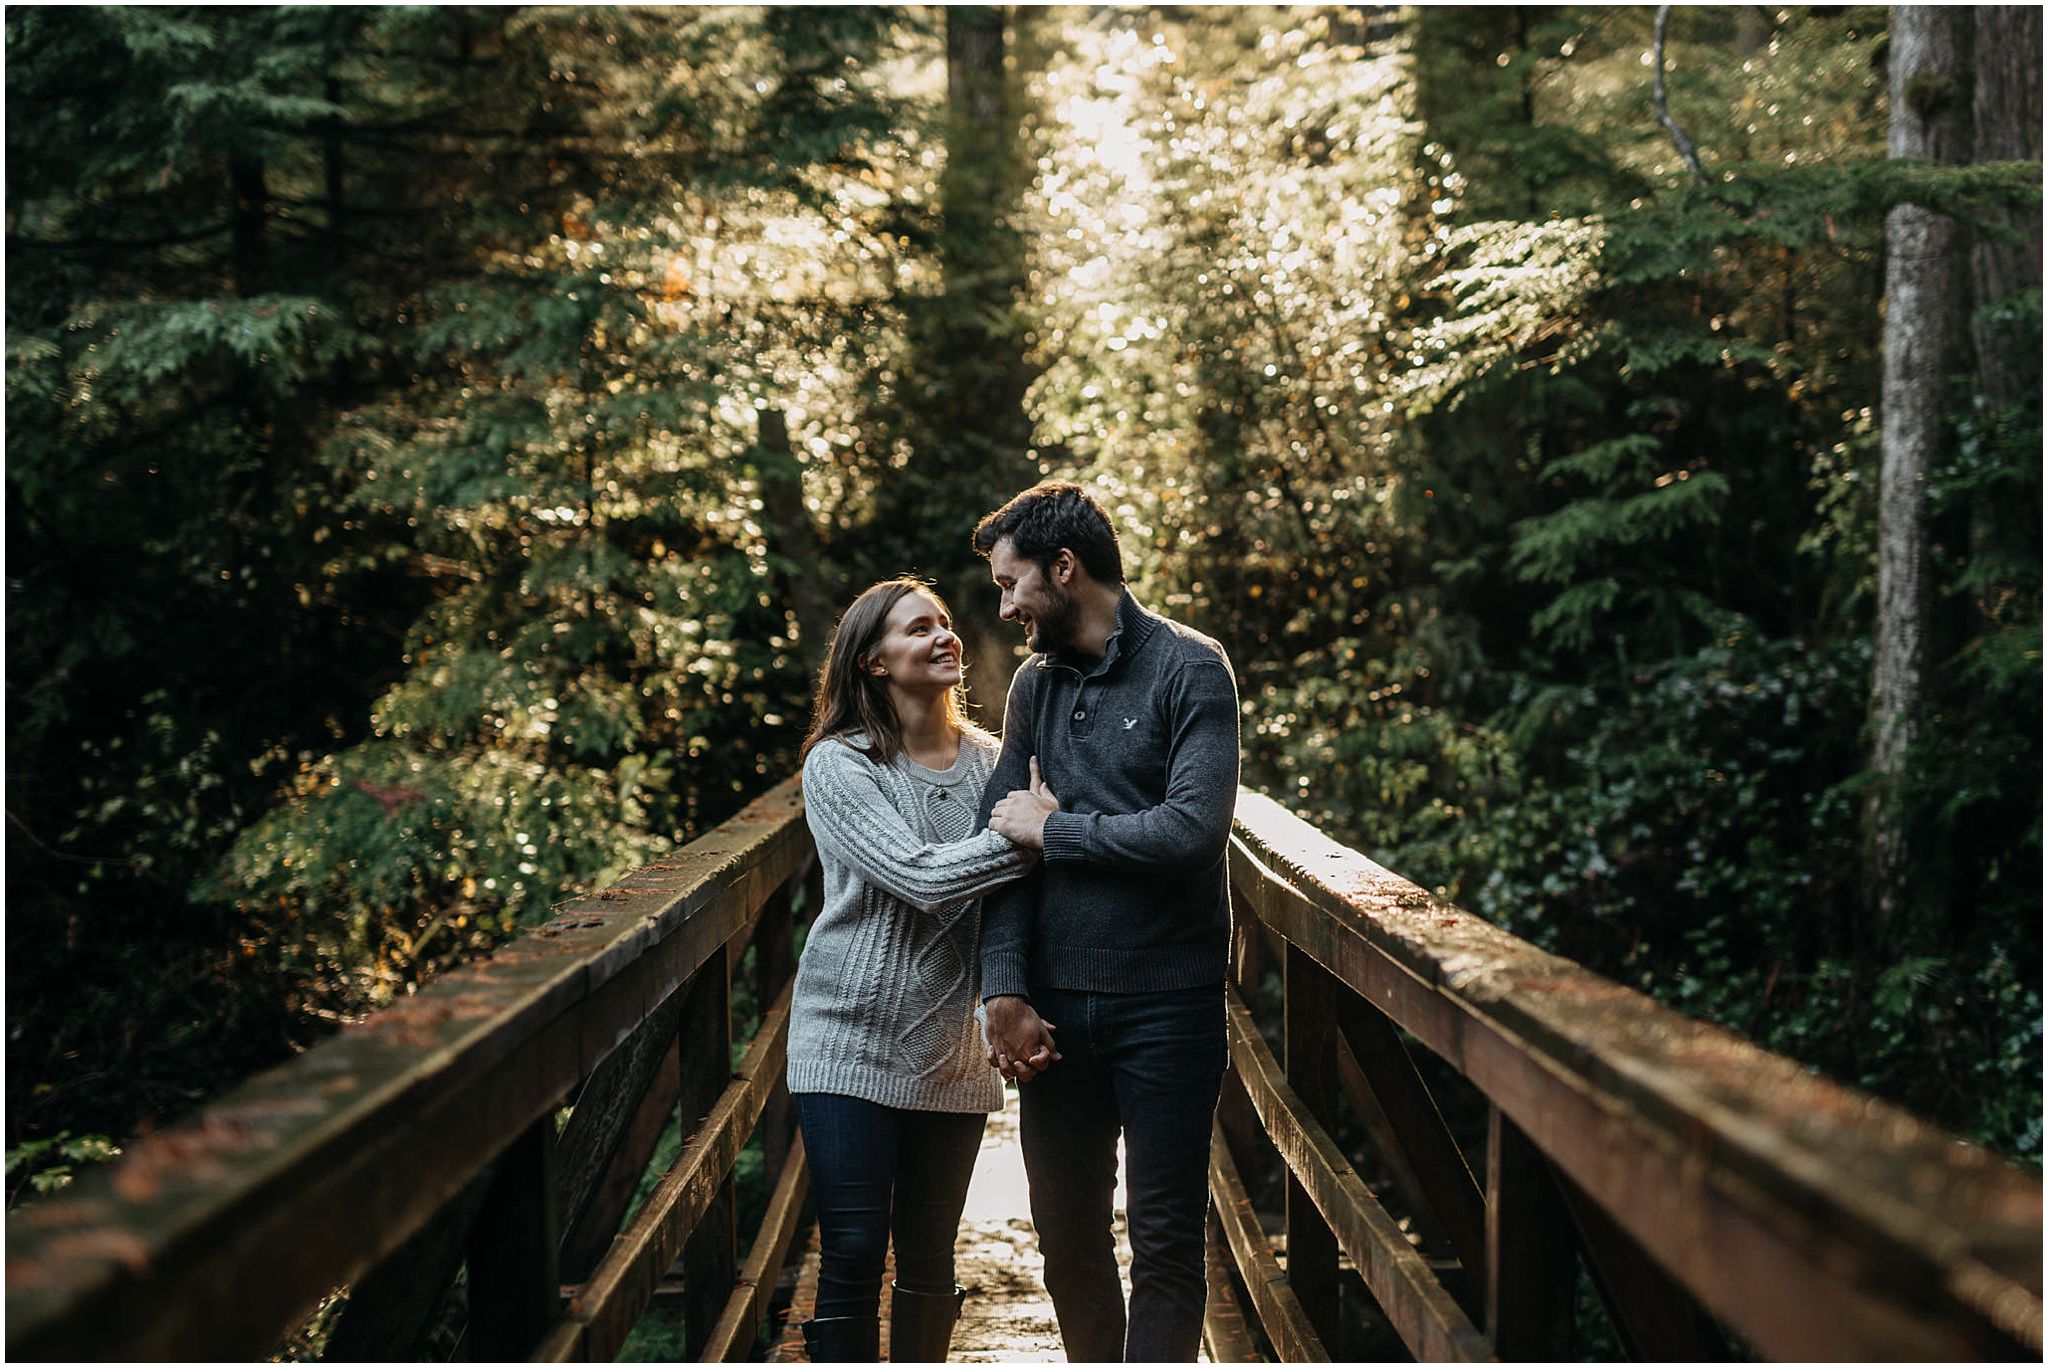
(1371, 1196)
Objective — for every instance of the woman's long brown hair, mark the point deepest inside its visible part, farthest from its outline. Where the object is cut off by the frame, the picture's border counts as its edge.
(852, 700)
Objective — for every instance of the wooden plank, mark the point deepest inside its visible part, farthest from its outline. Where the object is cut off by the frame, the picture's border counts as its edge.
(1281, 1316)
(1248, 1142)
(1432, 1240)
(1308, 1006)
(1815, 1221)
(1657, 1320)
(209, 1238)
(1225, 1335)
(788, 1346)
(710, 1250)
(774, 964)
(1430, 1323)
(1530, 1269)
(598, 1321)
(615, 1187)
(1246, 936)
(732, 1339)
(618, 1119)
(391, 1308)
(514, 1288)
(1437, 1167)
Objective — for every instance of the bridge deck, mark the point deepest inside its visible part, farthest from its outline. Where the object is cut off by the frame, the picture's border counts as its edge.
(1008, 1317)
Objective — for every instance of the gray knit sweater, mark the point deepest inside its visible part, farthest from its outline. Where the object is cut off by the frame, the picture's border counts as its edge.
(886, 988)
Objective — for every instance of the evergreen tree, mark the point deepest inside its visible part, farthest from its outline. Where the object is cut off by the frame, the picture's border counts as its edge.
(183, 314)
(383, 392)
(609, 662)
(1554, 590)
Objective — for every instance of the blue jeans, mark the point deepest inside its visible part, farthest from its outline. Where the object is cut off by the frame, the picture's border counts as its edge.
(1149, 1065)
(879, 1171)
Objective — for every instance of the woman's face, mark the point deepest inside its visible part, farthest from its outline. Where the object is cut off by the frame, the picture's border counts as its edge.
(918, 652)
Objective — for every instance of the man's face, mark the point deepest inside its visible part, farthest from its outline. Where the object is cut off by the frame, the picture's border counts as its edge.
(1033, 598)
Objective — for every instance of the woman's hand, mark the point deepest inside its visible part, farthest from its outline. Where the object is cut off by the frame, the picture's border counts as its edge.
(1020, 814)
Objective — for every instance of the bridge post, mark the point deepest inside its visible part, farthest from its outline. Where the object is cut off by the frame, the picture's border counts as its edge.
(773, 964)
(1233, 1109)
(1309, 1014)
(514, 1285)
(710, 1255)
(1654, 1316)
(1531, 1271)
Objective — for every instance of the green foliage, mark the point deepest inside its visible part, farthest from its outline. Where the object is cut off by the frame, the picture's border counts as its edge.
(382, 390)
(1532, 484)
(608, 663)
(405, 539)
(45, 1165)
(173, 338)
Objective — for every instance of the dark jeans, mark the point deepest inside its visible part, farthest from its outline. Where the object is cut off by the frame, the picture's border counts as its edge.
(1149, 1065)
(879, 1171)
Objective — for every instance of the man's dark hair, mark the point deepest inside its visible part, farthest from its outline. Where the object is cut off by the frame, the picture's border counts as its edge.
(1051, 515)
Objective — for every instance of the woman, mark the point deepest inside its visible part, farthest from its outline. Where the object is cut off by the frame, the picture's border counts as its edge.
(886, 1063)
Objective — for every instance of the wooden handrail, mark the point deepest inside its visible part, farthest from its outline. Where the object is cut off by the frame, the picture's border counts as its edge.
(211, 1238)
(1815, 1221)
(1688, 1167)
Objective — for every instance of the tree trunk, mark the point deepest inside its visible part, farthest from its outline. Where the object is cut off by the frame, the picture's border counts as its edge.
(250, 203)
(781, 476)
(978, 243)
(1923, 327)
(337, 182)
(2007, 109)
(975, 447)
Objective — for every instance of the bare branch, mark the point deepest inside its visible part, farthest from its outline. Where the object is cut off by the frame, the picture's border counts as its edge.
(1684, 144)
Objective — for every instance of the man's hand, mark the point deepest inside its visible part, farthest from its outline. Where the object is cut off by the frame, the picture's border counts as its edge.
(1020, 814)
(1019, 1039)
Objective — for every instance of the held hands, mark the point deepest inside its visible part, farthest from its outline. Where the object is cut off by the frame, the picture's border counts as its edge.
(1020, 814)
(1020, 1044)
(1019, 1039)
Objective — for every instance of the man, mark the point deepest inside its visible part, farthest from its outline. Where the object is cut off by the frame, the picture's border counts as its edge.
(1119, 942)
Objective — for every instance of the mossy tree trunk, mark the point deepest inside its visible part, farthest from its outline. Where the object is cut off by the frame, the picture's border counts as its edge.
(1925, 258)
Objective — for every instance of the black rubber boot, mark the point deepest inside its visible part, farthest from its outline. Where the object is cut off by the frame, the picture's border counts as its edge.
(921, 1323)
(843, 1339)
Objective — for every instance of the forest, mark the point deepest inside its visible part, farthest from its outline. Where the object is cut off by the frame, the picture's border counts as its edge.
(439, 439)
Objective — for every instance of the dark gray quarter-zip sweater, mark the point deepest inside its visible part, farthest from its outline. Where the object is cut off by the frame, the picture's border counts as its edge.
(1140, 747)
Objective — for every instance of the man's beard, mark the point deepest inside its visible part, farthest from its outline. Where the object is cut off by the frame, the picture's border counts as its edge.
(1053, 630)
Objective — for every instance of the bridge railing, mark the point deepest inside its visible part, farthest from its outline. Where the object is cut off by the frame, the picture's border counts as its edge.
(422, 1148)
(424, 1143)
(1691, 1171)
